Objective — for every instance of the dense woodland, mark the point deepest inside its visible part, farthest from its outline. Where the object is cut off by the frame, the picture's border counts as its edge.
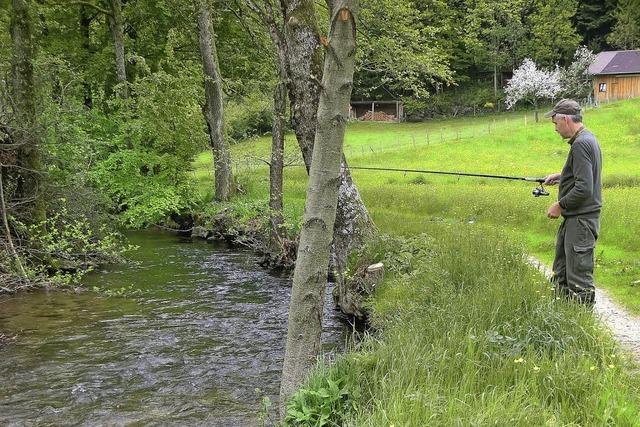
(105, 103)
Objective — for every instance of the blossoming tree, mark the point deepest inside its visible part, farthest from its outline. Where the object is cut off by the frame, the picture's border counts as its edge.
(575, 79)
(531, 84)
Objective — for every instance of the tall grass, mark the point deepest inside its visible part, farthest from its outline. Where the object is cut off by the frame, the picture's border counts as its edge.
(469, 334)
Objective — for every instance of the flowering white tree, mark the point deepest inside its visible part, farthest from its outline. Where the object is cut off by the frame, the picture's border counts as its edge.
(575, 79)
(531, 84)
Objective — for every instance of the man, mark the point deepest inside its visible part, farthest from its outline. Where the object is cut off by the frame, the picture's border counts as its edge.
(579, 203)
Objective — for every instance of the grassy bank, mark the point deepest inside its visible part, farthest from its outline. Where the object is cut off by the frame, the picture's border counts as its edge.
(509, 144)
(469, 334)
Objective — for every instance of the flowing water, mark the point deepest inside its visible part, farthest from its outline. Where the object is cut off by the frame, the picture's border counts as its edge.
(189, 334)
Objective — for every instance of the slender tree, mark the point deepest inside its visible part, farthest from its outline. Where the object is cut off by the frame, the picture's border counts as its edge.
(310, 275)
(25, 136)
(214, 107)
(116, 24)
(268, 15)
(85, 31)
(304, 54)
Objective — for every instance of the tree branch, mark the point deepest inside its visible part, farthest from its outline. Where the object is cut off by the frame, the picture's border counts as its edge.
(91, 5)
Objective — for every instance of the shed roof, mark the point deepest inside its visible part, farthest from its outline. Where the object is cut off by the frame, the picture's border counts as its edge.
(616, 62)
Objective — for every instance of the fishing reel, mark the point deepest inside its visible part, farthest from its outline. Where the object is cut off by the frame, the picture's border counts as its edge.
(539, 191)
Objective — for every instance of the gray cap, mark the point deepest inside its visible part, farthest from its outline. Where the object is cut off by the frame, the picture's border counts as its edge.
(565, 106)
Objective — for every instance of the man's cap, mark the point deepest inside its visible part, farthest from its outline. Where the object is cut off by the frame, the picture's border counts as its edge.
(565, 106)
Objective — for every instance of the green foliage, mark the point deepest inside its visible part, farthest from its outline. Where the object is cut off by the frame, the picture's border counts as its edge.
(160, 129)
(406, 58)
(64, 247)
(497, 33)
(626, 32)
(399, 255)
(326, 402)
(249, 116)
(145, 187)
(594, 20)
(553, 37)
(460, 101)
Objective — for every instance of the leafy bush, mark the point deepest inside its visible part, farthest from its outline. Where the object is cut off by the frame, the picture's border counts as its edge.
(158, 132)
(326, 402)
(460, 101)
(64, 247)
(249, 116)
(146, 187)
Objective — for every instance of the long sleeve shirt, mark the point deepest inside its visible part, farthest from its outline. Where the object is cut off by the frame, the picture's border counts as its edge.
(580, 190)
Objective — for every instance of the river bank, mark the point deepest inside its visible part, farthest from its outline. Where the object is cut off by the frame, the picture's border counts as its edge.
(468, 333)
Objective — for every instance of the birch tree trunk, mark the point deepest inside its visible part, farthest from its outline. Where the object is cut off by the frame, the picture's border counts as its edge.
(26, 135)
(310, 275)
(117, 32)
(214, 108)
(302, 36)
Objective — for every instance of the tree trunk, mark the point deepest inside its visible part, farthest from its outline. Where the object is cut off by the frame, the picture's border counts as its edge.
(117, 32)
(353, 223)
(85, 23)
(28, 154)
(277, 133)
(310, 275)
(214, 108)
(495, 82)
(302, 37)
(277, 164)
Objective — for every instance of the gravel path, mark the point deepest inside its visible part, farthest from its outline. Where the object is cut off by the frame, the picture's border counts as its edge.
(625, 327)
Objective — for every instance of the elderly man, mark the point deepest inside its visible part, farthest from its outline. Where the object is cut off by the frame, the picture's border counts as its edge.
(579, 203)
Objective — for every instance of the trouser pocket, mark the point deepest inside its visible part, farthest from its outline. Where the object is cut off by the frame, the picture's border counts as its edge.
(583, 257)
(584, 242)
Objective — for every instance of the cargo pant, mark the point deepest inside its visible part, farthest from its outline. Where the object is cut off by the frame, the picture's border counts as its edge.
(573, 264)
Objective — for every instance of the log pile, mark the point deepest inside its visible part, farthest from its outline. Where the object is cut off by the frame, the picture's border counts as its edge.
(378, 116)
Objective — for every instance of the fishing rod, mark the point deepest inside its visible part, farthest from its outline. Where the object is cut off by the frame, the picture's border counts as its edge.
(537, 192)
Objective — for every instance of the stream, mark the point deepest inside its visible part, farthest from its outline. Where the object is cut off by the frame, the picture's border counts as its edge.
(189, 333)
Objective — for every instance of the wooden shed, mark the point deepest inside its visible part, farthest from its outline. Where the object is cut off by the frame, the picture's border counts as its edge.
(616, 75)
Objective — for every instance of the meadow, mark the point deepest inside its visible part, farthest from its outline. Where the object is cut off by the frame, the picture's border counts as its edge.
(505, 144)
(464, 331)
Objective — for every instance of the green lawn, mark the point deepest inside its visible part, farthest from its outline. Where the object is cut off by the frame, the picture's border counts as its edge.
(507, 144)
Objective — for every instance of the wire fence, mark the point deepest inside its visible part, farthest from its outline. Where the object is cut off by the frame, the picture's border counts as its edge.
(400, 137)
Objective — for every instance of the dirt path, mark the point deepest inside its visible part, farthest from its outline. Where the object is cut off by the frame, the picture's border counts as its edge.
(624, 326)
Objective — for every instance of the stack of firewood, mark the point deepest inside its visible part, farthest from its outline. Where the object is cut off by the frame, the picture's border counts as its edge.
(378, 116)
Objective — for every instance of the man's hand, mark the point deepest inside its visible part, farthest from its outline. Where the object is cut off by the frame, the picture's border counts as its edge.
(552, 179)
(554, 211)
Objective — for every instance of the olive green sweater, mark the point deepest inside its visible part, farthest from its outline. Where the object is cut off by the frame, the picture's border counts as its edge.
(580, 190)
